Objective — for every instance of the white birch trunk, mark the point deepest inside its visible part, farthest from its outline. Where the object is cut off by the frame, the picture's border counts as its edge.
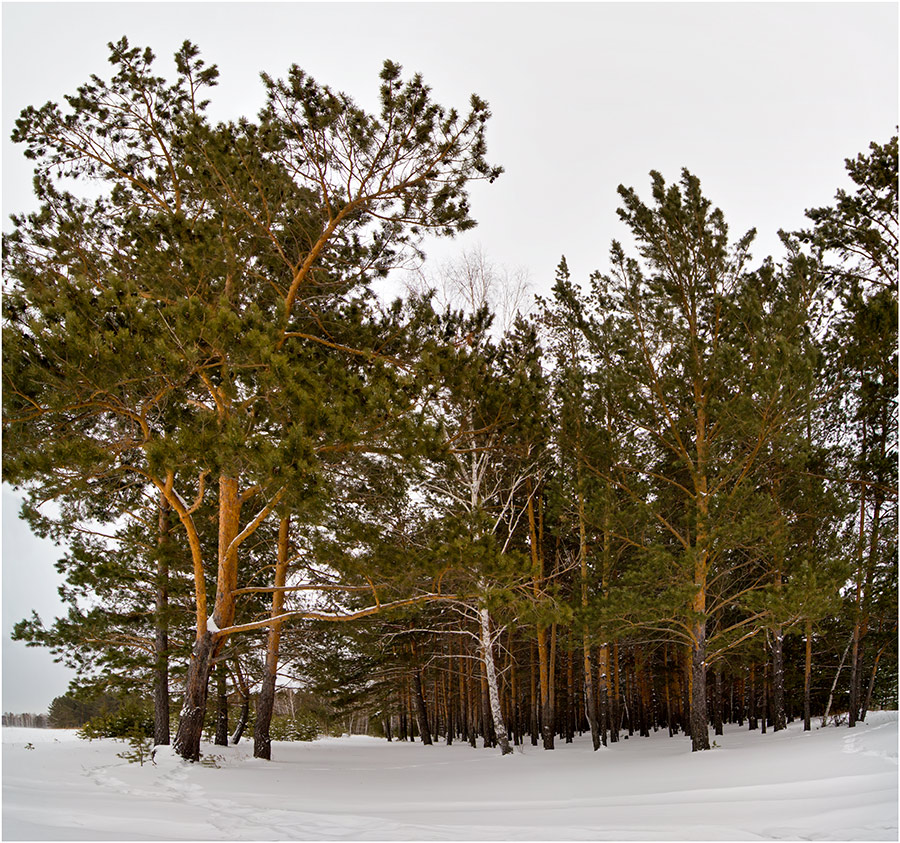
(491, 673)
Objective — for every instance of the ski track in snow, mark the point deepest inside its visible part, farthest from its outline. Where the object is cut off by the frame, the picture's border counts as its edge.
(830, 784)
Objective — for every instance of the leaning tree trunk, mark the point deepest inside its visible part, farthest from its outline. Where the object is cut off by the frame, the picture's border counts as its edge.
(193, 710)
(868, 700)
(491, 675)
(265, 704)
(834, 684)
(161, 717)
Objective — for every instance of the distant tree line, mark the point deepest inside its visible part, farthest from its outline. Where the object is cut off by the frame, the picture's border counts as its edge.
(661, 497)
(28, 721)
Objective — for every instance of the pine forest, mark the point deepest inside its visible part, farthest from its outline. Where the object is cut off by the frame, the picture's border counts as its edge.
(661, 497)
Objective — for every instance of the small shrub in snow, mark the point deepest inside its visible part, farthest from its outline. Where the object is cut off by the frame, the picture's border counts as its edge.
(141, 749)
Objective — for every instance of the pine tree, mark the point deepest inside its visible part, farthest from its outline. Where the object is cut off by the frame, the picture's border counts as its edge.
(688, 333)
(855, 244)
(206, 324)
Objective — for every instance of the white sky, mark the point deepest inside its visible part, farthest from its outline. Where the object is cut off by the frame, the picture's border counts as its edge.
(762, 101)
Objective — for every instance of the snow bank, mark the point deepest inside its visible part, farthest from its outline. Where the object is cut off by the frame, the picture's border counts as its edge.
(829, 784)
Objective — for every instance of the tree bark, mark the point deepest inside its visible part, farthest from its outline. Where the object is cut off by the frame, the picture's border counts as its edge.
(207, 644)
(221, 707)
(602, 712)
(491, 676)
(193, 710)
(421, 711)
(699, 717)
(244, 715)
(265, 704)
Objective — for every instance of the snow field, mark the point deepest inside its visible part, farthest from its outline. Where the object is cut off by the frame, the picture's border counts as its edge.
(829, 784)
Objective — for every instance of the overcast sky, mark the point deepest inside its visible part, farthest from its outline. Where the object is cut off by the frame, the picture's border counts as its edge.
(762, 101)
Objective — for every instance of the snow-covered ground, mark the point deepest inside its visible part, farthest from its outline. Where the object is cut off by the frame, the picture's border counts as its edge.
(829, 784)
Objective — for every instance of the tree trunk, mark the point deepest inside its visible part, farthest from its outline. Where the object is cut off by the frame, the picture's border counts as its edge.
(161, 621)
(474, 706)
(570, 690)
(535, 533)
(699, 717)
(193, 710)
(807, 676)
(834, 684)
(421, 712)
(603, 690)
(717, 708)
(207, 644)
(403, 730)
(544, 678)
(779, 719)
(868, 700)
(449, 707)
(590, 699)
(614, 703)
(484, 711)
(534, 727)
(670, 720)
(491, 675)
(751, 700)
(641, 695)
(221, 707)
(244, 715)
(265, 704)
